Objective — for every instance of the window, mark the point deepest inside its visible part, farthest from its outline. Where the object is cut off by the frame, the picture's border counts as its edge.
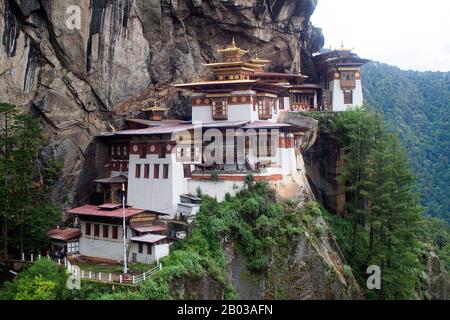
(187, 170)
(138, 171)
(220, 109)
(281, 103)
(265, 106)
(141, 248)
(166, 171)
(348, 79)
(156, 171)
(265, 145)
(143, 151)
(88, 229)
(149, 248)
(162, 151)
(146, 171)
(115, 232)
(96, 230)
(73, 247)
(348, 97)
(105, 231)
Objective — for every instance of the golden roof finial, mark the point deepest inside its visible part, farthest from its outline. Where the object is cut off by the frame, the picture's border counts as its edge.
(233, 48)
(233, 43)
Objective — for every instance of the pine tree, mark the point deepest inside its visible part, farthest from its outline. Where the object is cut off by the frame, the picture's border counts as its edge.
(382, 204)
(20, 192)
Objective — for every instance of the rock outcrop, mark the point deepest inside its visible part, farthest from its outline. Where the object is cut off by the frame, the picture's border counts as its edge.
(71, 62)
(324, 162)
(438, 279)
(311, 268)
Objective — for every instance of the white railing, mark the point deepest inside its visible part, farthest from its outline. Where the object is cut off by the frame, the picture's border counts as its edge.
(147, 274)
(92, 275)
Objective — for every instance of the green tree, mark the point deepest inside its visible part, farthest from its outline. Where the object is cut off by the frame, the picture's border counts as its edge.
(382, 205)
(44, 280)
(24, 201)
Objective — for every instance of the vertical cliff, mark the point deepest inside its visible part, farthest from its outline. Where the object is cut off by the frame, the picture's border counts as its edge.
(73, 78)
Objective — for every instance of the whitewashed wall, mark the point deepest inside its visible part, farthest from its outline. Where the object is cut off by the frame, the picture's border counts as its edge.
(161, 195)
(101, 247)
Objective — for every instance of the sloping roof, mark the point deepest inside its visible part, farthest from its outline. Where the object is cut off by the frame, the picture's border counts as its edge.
(163, 129)
(91, 210)
(224, 124)
(214, 83)
(151, 228)
(266, 125)
(64, 234)
(109, 206)
(277, 75)
(110, 180)
(149, 238)
(151, 123)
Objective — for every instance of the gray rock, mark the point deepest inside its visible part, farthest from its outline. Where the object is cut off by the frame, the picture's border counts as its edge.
(74, 78)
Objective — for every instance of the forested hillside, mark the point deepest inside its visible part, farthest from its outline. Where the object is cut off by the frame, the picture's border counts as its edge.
(417, 105)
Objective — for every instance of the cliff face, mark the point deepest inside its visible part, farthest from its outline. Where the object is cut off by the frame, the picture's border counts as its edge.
(324, 162)
(311, 268)
(72, 78)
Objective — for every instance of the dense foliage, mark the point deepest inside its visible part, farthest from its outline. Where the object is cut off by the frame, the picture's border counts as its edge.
(26, 212)
(44, 280)
(417, 105)
(383, 225)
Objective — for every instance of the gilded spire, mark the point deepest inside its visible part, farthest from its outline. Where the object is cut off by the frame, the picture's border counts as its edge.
(233, 48)
(233, 43)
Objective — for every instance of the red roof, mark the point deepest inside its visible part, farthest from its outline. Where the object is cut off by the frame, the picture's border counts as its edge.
(91, 210)
(65, 234)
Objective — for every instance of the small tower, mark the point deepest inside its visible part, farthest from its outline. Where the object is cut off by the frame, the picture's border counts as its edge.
(155, 113)
(340, 76)
(232, 53)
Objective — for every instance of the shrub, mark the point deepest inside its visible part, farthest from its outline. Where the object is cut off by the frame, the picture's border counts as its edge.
(42, 280)
(319, 230)
(347, 271)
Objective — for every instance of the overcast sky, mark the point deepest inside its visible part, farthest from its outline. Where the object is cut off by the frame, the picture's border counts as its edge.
(410, 34)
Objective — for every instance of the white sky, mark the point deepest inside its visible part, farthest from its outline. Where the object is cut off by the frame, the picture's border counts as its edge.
(410, 34)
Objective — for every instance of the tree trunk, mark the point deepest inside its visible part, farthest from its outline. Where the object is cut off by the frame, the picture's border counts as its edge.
(5, 238)
(21, 235)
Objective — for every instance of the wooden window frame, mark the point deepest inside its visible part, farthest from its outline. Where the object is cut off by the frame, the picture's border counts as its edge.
(146, 171)
(88, 229)
(348, 97)
(137, 172)
(162, 151)
(96, 230)
(156, 171)
(140, 247)
(115, 232)
(143, 151)
(220, 108)
(105, 228)
(281, 103)
(187, 172)
(149, 248)
(165, 171)
(265, 107)
(348, 79)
